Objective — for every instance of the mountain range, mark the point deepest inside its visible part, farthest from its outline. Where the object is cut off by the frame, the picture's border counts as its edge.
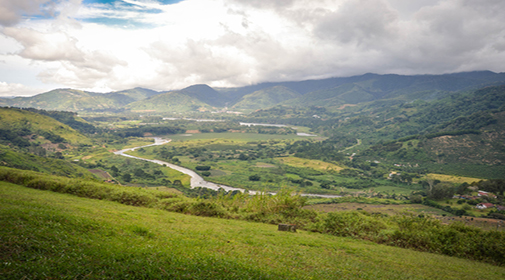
(331, 92)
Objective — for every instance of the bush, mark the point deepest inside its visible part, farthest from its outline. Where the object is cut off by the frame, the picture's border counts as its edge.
(203, 168)
(254, 177)
(352, 224)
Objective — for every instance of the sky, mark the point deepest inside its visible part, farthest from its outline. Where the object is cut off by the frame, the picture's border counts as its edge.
(111, 45)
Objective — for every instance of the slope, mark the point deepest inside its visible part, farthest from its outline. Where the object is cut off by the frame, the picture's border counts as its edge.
(31, 125)
(50, 235)
(71, 100)
(266, 98)
(205, 94)
(369, 87)
(172, 101)
(134, 94)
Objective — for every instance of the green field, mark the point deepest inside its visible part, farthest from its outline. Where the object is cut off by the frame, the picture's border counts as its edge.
(48, 235)
(234, 136)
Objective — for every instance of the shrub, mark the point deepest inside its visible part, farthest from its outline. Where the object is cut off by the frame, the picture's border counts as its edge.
(352, 224)
(203, 168)
(254, 177)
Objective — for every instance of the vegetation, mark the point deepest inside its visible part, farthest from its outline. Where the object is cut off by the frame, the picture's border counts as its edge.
(382, 140)
(420, 233)
(60, 236)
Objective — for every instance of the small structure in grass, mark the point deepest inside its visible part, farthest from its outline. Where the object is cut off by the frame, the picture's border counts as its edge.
(286, 227)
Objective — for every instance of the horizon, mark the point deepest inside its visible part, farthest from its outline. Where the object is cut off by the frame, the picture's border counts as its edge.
(266, 82)
(108, 45)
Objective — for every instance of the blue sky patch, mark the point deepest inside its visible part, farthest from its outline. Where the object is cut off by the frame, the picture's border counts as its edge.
(165, 2)
(119, 5)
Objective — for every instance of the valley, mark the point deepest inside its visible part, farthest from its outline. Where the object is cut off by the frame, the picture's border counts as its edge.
(385, 161)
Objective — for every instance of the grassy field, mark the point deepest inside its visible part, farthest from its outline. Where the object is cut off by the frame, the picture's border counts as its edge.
(310, 163)
(379, 208)
(233, 136)
(49, 235)
(451, 178)
(416, 209)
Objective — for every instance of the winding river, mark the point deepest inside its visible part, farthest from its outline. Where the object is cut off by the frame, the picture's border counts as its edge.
(197, 180)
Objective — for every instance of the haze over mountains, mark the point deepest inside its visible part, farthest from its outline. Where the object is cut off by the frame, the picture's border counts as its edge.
(329, 92)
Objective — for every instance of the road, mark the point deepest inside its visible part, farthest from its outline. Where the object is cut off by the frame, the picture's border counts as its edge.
(197, 180)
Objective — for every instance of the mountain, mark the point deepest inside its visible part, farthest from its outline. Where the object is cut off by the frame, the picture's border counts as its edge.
(172, 101)
(136, 93)
(71, 100)
(370, 87)
(331, 92)
(77, 100)
(205, 94)
(266, 98)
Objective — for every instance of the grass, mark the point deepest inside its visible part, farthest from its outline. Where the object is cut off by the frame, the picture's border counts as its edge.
(49, 235)
(232, 136)
(452, 178)
(310, 163)
(389, 209)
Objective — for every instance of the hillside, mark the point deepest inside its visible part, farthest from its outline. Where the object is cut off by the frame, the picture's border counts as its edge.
(168, 102)
(71, 100)
(265, 98)
(76, 100)
(37, 142)
(31, 126)
(52, 234)
(205, 94)
(135, 93)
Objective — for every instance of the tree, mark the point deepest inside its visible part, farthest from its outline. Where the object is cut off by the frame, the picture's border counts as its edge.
(440, 191)
(254, 177)
(127, 177)
(415, 198)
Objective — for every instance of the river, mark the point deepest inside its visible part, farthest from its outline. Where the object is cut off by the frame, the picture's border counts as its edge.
(197, 180)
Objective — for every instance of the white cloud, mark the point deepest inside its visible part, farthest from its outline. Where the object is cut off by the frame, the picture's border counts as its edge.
(238, 42)
(14, 89)
(11, 11)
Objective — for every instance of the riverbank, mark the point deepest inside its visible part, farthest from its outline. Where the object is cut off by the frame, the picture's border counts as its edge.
(197, 181)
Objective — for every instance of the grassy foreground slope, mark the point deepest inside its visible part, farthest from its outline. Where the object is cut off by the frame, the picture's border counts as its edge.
(50, 235)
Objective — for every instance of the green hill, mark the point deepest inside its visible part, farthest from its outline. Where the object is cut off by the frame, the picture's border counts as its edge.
(169, 102)
(266, 98)
(51, 235)
(136, 94)
(71, 100)
(32, 126)
(37, 142)
(205, 94)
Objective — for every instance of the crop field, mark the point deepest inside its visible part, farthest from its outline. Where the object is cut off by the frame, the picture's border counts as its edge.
(233, 136)
(100, 173)
(451, 178)
(310, 163)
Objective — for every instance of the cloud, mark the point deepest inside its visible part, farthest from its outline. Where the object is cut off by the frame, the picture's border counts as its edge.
(45, 46)
(15, 89)
(238, 42)
(11, 11)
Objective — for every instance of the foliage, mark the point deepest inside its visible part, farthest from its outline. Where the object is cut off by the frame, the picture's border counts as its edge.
(420, 233)
(50, 235)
